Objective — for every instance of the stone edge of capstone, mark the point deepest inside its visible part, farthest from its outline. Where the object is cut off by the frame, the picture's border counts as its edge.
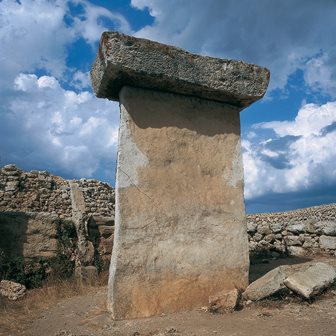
(113, 69)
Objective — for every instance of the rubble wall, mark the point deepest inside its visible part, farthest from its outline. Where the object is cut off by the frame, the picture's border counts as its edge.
(308, 231)
(39, 191)
(23, 194)
(302, 232)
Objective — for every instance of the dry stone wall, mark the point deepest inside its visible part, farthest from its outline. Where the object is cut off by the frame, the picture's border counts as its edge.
(39, 191)
(30, 235)
(30, 195)
(301, 232)
(306, 231)
(35, 191)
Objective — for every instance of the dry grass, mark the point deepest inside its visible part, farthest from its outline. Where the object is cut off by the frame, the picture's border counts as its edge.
(13, 313)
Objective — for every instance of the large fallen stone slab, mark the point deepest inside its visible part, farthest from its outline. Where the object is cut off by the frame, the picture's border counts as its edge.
(311, 281)
(128, 61)
(267, 285)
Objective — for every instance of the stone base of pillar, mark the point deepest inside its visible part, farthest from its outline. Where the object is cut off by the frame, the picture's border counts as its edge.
(180, 234)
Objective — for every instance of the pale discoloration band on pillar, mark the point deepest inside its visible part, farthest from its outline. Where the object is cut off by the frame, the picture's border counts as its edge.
(130, 158)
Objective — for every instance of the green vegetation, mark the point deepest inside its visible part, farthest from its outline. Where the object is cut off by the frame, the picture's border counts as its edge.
(33, 272)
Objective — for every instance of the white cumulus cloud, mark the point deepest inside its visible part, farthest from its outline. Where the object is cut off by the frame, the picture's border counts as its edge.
(35, 34)
(47, 125)
(285, 36)
(300, 154)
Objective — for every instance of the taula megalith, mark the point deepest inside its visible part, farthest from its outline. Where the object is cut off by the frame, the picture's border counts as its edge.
(180, 232)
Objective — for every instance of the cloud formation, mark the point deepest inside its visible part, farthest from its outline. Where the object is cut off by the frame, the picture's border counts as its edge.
(51, 120)
(285, 36)
(48, 126)
(35, 34)
(291, 156)
(48, 118)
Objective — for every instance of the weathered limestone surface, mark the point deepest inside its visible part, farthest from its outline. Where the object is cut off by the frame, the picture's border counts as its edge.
(31, 204)
(311, 281)
(180, 230)
(12, 290)
(225, 301)
(128, 61)
(306, 279)
(28, 234)
(307, 231)
(269, 284)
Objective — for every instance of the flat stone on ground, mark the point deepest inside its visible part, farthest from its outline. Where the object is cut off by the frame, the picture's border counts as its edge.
(267, 285)
(311, 281)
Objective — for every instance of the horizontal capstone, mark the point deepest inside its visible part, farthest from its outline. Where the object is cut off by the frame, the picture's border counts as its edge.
(125, 60)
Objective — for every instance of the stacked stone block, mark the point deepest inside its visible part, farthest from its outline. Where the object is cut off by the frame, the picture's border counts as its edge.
(302, 232)
(38, 193)
(101, 233)
(35, 191)
(98, 197)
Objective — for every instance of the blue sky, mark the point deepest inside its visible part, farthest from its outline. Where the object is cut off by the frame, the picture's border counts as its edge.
(50, 120)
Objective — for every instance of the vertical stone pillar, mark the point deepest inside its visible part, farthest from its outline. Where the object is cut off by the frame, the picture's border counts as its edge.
(180, 234)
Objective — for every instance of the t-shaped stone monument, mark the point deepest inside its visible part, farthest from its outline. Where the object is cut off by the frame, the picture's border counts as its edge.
(180, 234)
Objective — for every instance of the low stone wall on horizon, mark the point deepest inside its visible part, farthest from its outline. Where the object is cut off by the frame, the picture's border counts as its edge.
(302, 232)
(39, 191)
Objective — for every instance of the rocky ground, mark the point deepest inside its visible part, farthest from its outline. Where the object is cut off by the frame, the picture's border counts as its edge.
(86, 314)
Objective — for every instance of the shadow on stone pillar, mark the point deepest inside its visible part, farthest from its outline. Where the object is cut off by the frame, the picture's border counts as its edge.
(180, 233)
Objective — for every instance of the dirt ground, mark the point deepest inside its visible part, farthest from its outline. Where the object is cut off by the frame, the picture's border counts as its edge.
(86, 315)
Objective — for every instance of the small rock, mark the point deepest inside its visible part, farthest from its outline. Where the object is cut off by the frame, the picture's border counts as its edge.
(224, 301)
(63, 333)
(264, 230)
(267, 285)
(326, 227)
(12, 290)
(275, 255)
(251, 227)
(257, 237)
(293, 240)
(311, 281)
(297, 251)
(276, 227)
(264, 314)
(296, 227)
(328, 242)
